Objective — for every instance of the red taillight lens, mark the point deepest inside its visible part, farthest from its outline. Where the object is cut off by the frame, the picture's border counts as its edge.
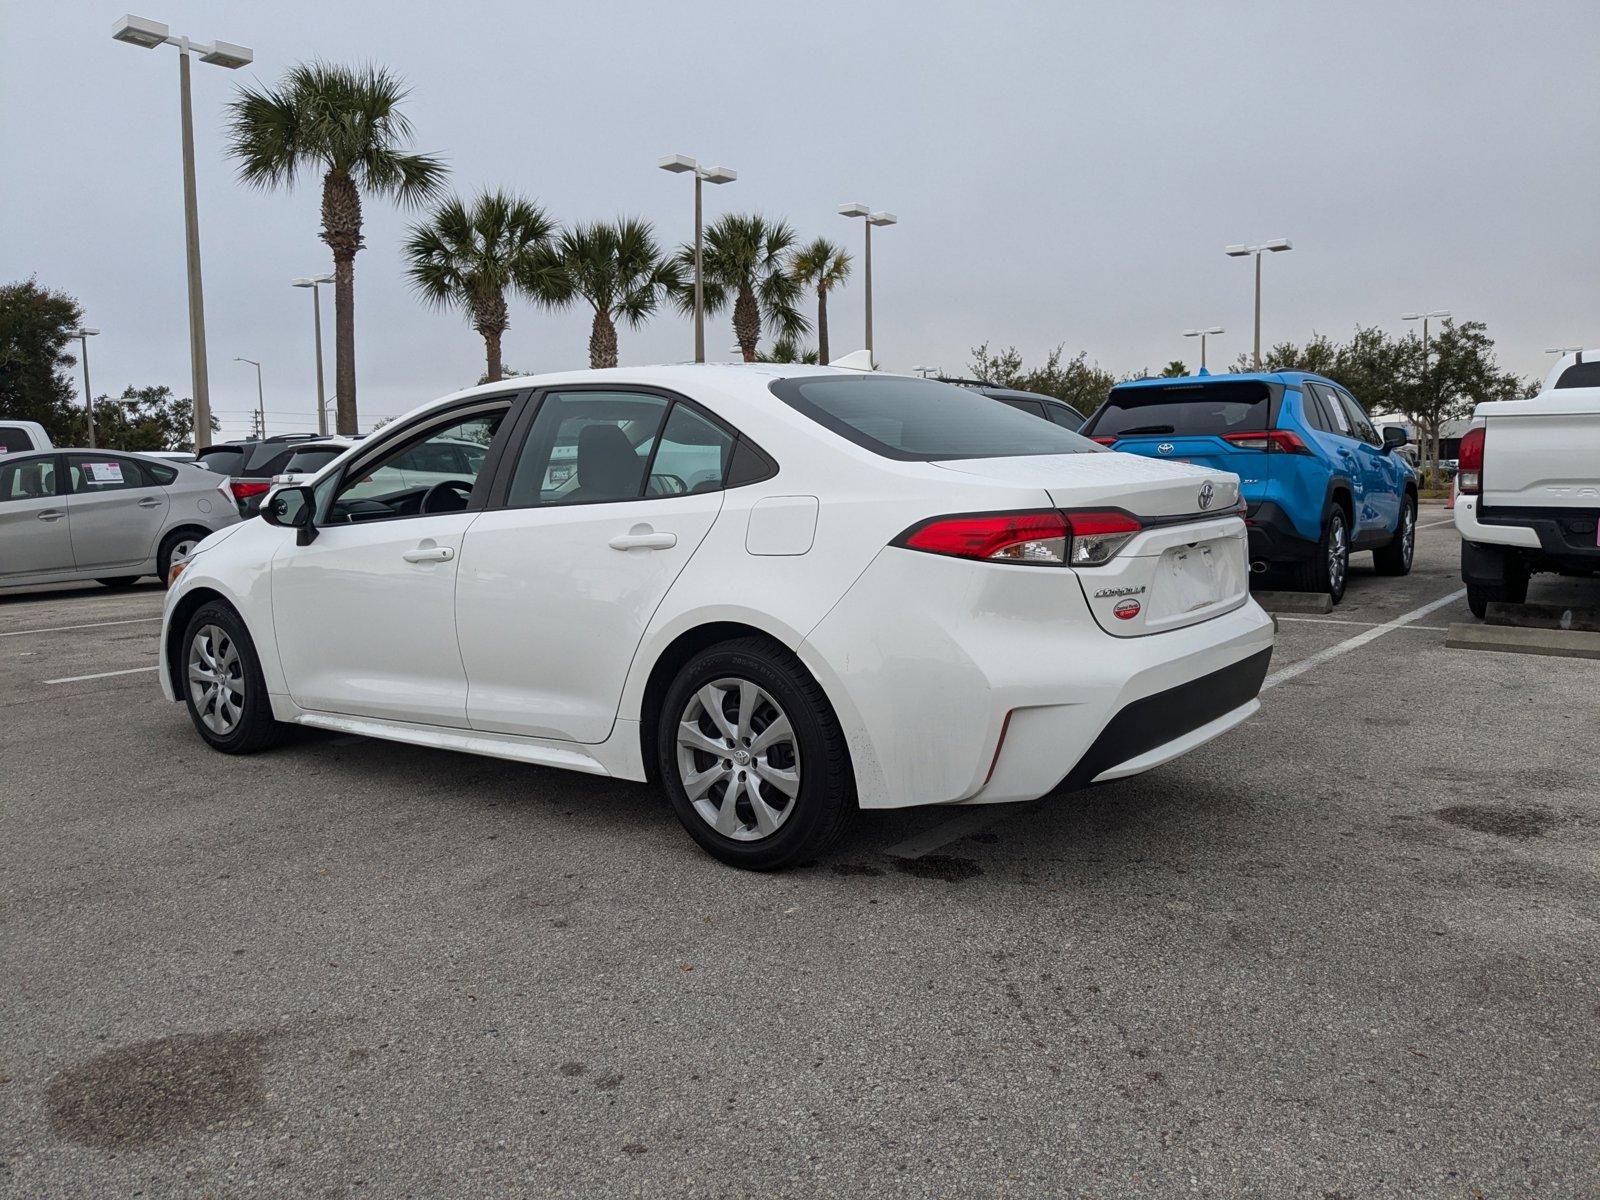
(1030, 538)
(1098, 536)
(1273, 441)
(244, 488)
(1469, 469)
(1105, 441)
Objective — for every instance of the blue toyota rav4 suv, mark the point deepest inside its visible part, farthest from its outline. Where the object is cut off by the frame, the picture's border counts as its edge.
(1318, 480)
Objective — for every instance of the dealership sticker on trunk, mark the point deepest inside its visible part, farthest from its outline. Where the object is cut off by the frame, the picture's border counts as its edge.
(1126, 610)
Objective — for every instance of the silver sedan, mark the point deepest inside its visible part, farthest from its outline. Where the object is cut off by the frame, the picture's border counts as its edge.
(100, 514)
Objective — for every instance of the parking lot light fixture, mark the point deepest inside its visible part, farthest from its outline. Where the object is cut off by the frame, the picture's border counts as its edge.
(261, 403)
(147, 35)
(679, 164)
(83, 335)
(872, 218)
(1562, 349)
(313, 282)
(1241, 250)
(1203, 334)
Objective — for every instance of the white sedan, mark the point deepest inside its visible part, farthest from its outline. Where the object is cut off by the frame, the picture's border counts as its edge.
(882, 592)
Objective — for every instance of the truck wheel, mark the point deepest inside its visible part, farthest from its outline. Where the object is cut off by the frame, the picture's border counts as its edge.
(1513, 591)
(1330, 565)
(1395, 558)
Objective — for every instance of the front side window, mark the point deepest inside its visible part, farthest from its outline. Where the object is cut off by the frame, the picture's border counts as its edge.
(923, 420)
(29, 479)
(379, 489)
(588, 448)
(89, 475)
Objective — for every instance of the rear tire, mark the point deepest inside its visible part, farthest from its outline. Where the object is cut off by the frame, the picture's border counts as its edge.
(223, 687)
(121, 581)
(1513, 591)
(743, 724)
(1329, 567)
(1396, 557)
(179, 541)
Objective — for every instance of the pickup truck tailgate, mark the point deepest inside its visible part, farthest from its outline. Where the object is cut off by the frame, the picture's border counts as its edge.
(1543, 452)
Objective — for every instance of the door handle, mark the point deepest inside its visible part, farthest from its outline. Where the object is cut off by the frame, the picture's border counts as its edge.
(644, 541)
(51, 514)
(429, 554)
(149, 502)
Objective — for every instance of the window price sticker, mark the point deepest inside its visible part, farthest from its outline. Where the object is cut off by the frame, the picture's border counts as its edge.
(105, 472)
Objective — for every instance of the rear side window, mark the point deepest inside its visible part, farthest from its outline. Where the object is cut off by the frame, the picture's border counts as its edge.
(587, 448)
(224, 460)
(1316, 412)
(1067, 418)
(923, 420)
(162, 475)
(1185, 410)
(1584, 374)
(1032, 407)
(303, 462)
(1334, 410)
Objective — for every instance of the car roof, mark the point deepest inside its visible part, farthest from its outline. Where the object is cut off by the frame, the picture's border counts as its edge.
(1287, 378)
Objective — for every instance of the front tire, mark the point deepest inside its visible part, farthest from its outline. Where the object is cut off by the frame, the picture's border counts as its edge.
(1329, 567)
(223, 686)
(752, 757)
(175, 544)
(1396, 557)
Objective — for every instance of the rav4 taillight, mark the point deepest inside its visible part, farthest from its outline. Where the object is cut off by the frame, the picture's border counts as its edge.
(243, 488)
(1044, 538)
(1273, 441)
(1469, 468)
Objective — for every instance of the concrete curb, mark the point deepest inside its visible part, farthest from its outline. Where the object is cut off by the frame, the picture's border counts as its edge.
(1544, 616)
(1295, 602)
(1511, 639)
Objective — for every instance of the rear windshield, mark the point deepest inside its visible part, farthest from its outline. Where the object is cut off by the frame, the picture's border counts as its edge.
(923, 420)
(305, 461)
(224, 460)
(1584, 375)
(1183, 410)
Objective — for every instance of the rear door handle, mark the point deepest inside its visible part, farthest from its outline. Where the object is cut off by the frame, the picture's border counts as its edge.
(51, 514)
(149, 502)
(644, 541)
(429, 554)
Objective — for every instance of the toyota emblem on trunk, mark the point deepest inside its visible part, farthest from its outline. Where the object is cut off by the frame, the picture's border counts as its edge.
(1164, 448)
(1206, 493)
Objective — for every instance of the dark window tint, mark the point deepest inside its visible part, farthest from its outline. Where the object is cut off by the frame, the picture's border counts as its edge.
(1333, 410)
(160, 474)
(1184, 410)
(1065, 416)
(1358, 420)
(923, 419)
(303, 462)
(750, 464)
(587, 448)
(14, 438)
(28, 479)
(91, 474)
(224, 460)
(1316, 413)
(1032, 407)
(692, 456)
(1584, 374)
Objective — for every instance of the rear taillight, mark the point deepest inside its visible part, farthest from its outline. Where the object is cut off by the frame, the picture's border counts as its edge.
(243, 489)
(1098, 536)
(1273, 441)
(1469, 469)
(1031, 538)
(1105, 441)
(1039, 539)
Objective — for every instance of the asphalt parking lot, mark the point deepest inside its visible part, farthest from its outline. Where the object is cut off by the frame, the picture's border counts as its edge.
(1351, 949)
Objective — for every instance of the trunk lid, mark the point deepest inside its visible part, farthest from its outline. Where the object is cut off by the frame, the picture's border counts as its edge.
(1543, 452)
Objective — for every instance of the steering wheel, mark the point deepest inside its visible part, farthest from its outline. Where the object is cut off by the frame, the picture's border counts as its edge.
(670, 485)
(452, 494)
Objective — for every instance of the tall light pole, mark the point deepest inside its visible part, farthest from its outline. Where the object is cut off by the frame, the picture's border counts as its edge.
(311, 281)
(137, 31)
(1273, 244)
(872, 218)
(83, 335)
(261, 401)
(678, 163)
(1433, 445)
(1203, 334)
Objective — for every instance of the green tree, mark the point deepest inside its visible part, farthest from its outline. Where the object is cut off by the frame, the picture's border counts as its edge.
(822, 266)
(787, 350)
(345, 123)
(1175, 370)
(746, 260)
(146, 418)
(616, 267)
(1075, 380)
(34, 358)
(1461, 373)
(468, 257)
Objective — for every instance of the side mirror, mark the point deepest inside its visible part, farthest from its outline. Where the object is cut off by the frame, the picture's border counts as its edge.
(1394, 436)
(292, 508)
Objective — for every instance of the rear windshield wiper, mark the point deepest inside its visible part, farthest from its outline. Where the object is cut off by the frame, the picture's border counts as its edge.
(1144, 429)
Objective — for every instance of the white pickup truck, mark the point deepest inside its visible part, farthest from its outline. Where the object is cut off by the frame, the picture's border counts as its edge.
(1529, 484)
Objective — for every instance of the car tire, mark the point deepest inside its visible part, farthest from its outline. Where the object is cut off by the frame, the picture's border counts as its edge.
(179, 540)
(120, 581)
(1513, 591)
(1329, 567)
(726, 701)
(223, 686)
(1396, 557)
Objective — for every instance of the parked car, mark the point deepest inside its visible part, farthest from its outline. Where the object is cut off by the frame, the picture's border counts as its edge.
(17, 436)
(1035, 404)
(310, 457)
(1529, 486)
(891, 592)
(1318, 479)
(100, 514)
(183, 456)
(251, 465)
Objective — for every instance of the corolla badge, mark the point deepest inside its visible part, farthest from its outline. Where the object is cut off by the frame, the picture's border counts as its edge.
(1164, 448)
(1207, 494)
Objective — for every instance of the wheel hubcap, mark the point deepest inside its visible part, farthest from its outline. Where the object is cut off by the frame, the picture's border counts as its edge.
(738, 759)
(183, 548)
(1408, 540)
(216, 679)
(1337, 556)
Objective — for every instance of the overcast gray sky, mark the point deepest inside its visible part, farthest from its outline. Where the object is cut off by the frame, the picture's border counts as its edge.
(1062, 172)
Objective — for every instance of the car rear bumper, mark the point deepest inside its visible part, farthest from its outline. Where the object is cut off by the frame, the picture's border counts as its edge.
(1554, 536)
(1273, 537)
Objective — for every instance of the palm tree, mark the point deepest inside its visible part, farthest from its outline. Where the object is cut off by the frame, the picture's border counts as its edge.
(346, 123)
(747, 257)
(468, 256)
(619, 269)
(822, 265)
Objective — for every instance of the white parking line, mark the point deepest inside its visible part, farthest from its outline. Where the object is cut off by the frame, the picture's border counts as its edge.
(1436, 524)
(93, 625)
(1359, 640)
(101, 675)
(1359, 624)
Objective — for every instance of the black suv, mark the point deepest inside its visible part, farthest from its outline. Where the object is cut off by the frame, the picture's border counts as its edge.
(1057, 411)
(250, 465)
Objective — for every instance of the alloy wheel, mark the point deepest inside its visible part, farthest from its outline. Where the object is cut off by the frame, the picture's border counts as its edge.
(738, 759)
(216, 679)
(1408, 536)
(183, 546)
(1338, 556)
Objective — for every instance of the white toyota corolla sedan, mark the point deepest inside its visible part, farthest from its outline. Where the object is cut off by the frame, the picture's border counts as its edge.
(784, 592)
